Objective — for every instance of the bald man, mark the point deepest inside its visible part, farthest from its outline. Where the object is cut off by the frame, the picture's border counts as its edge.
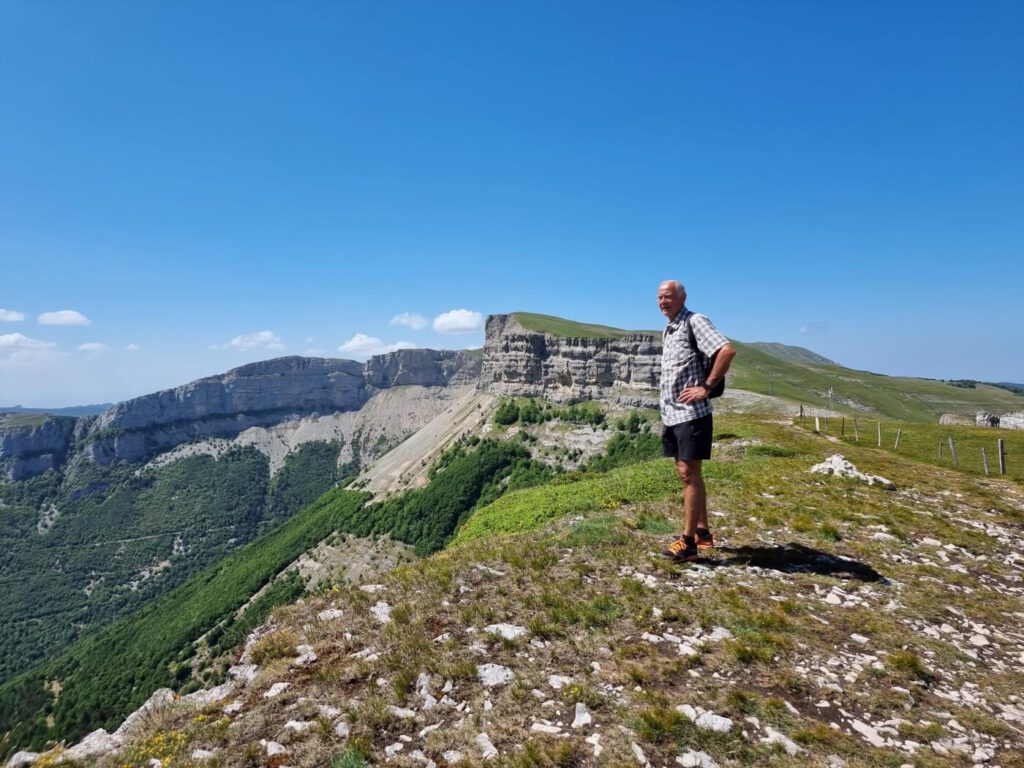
(686, 410)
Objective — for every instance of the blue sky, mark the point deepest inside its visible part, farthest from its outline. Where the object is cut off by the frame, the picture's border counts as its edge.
(213, 183)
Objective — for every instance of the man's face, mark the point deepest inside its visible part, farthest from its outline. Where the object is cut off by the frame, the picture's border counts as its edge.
(669, 301)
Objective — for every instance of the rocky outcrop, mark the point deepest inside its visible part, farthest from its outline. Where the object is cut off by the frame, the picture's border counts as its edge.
(257, 395)
(955, 419)
(521, 362)
(1006, 421)
(31, 445)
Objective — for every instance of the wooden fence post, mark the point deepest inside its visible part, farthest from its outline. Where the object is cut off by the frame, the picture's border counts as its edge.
(984, 460)
(1002, 456)
(897, 443)
(826, 424)
(952, 452)
(801, 413)
(842, 427)
(817, 424)
(879, 434)
(940, 449)
(856, 432)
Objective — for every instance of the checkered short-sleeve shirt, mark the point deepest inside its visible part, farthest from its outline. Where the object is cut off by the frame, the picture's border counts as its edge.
(681, 368)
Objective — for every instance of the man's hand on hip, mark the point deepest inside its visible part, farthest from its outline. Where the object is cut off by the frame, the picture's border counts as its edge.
(693, 394)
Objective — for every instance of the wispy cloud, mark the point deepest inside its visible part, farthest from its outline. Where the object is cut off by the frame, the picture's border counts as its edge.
(250, 341)
(63, 317)
(362, 346)
(812, 327)
(410, 320)
(20, 341)
(458, 321)
(92, 346)
(10, 316)
(133, 347)
(20, 351)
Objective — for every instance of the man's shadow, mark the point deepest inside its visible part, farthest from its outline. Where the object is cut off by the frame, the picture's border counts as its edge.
(796, 558)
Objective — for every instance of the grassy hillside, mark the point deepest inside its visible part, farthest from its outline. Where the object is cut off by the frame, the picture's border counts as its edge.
(929, 443)
(792, 373)
(835, 622)
(558, 326)
(107, 675)
(894, 397)
(81, 548)
(792, 354)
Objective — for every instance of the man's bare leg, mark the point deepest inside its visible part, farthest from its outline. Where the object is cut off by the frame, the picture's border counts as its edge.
(695, 506)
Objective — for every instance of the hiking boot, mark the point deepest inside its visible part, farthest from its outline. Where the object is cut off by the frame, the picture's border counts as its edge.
(705, 539)
(680, 552)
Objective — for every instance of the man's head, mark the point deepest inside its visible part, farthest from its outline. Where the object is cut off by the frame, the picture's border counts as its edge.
(671, 297)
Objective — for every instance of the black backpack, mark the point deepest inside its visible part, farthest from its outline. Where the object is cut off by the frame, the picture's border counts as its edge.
(706, 363)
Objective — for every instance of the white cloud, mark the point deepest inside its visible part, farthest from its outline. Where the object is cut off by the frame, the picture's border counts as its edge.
(410, 320)
(20, 341)
(258, 340)
(63, 317)
(92, 346)
(362, 346)
(458, 321)
(10, 316)
(29, 358)
(133, 347)
(19, 351)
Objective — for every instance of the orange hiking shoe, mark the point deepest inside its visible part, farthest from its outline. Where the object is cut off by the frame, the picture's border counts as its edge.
(680, 552)
(705, 539)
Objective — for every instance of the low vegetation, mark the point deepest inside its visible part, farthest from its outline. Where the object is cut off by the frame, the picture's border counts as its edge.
(106, 675)
(836, 621)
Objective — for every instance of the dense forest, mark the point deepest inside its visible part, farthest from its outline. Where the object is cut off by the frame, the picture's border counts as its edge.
(82, 548)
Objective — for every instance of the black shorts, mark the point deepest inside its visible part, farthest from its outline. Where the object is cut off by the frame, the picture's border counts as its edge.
(688, 441)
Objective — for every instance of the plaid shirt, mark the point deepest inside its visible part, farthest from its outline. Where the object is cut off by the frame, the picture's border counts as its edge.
(681, 367)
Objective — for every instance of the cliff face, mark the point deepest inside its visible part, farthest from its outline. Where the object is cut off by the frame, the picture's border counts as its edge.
(257, 395)
(31, 446)
(520, 362)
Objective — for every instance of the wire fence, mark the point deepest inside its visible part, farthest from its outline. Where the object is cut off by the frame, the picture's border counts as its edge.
(980, 450)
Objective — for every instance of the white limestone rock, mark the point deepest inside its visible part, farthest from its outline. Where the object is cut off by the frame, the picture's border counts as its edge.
(507, 631)
(838, 465)
(381, 612)
(491, 675)
(276, 690)
(487, 748)
(22, 759)
(558, 682)
(330, 614)
(243, 673)
(583, 717)
(160, 699)
(871, 736)
(96, 744)
(694, 759)
(775, 737)
(210, 695)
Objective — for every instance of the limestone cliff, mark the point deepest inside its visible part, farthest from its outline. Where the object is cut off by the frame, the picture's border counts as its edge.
(30, 445)
(623, 369)
(257, 395)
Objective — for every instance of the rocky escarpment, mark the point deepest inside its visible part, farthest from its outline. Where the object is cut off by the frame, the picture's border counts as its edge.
(257, 395)
(1006, 421)
(30, 445)
(521, 362)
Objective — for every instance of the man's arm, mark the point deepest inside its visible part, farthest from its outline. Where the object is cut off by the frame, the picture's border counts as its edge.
(722, 362)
